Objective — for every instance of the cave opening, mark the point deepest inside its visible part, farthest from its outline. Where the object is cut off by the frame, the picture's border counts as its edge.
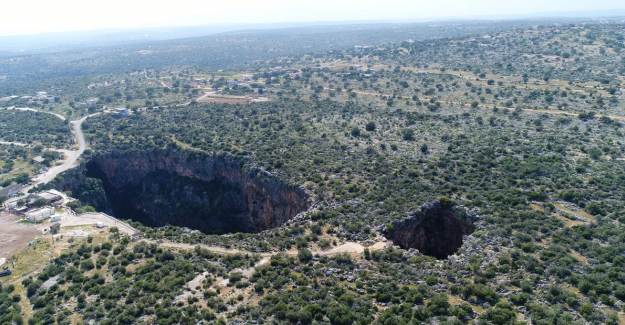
(436, 230)
(213, 194)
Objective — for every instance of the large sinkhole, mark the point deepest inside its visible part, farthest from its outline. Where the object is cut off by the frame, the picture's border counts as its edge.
(436, 230)
(211, 193)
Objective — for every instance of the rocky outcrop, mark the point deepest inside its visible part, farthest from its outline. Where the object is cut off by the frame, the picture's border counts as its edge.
(211, 193)
(436, 230)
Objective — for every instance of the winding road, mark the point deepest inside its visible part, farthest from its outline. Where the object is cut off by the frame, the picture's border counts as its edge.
(28, 109)
(71, 157)
(71, 160)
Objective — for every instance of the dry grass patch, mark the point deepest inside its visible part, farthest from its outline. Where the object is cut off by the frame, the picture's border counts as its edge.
(579, 257)
(457, 301)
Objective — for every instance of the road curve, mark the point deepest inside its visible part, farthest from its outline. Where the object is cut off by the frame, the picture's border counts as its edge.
(71, 156)
(28, 109)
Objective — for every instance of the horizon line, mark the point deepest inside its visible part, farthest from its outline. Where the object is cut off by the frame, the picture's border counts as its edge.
(598, 14)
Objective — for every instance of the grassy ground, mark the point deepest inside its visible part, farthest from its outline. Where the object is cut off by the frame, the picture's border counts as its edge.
(32, 259)
(27, 262)
(20, 166)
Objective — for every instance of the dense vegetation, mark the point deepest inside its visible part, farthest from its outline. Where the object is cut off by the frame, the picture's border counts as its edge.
(34, 127)
(221, 51)
(372, 177)
(17, 163)
(129, 282)
(525, 126)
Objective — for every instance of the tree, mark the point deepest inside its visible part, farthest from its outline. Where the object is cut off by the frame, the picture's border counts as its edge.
(370, 127)
(595, 153)
(502, 313)
(304, 255)
(340, 315)
(439, 305)
(407, 134)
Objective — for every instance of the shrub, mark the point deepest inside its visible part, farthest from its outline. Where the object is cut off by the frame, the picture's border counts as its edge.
(407, 134)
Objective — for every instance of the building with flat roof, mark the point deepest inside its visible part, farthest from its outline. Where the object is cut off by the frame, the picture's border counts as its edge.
(39, 215)
(49, 197)
(12, 203)
(121, 112)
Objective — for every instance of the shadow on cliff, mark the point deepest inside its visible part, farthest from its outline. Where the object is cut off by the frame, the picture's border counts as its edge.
(211, 193)
(436, 230)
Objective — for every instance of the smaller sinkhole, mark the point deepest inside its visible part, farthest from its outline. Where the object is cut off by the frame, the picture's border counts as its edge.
(436, 230)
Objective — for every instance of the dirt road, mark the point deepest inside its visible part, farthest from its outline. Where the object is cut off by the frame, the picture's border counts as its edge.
(19, 144)
(28, 109)
(345, 248)
(70, 159)
(350, 248)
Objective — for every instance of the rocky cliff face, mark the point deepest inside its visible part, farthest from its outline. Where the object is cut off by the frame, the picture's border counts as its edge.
(436, 230)
(211, 193)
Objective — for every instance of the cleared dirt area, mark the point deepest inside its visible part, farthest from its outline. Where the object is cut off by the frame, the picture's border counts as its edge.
(212, 97)
(572, 215)
(93, 219)
(14, 236)
(346, 248)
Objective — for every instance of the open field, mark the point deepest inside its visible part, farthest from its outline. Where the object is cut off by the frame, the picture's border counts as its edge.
(213, 98)
(14, 236)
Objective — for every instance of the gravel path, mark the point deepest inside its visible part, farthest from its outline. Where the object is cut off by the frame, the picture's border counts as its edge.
(70, 159)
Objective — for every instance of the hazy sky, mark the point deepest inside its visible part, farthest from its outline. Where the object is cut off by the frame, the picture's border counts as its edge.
(40, 16)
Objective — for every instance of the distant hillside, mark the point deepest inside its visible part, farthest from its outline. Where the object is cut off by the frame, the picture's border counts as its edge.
(227, 50)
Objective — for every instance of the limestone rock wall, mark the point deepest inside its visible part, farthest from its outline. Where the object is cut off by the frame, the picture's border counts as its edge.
(211, 193)
(436, 229)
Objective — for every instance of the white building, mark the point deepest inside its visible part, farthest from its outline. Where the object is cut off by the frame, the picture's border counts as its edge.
(92, 102)
(39, 215)
(12, 203)
(121, 112)
(51, 197)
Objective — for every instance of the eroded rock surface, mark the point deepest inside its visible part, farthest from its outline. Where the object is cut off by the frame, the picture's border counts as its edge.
(436, 230)
(211, 193)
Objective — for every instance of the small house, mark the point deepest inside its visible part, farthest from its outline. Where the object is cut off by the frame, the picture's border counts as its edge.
(50, 197)
(92, 103)
(12, 203)
(121, 112)
(39, 215)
